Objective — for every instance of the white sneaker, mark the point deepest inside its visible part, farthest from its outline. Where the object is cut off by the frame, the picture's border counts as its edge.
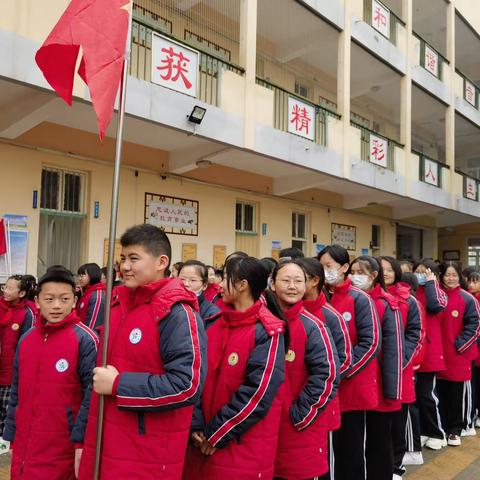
(454, 440)
(477, 422)
(4, 446)
(396, 477)
(468, 432)
(423, 440)
(435, 443)
(412, 458)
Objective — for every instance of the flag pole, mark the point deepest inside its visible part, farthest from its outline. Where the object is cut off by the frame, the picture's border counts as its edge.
(112, 237)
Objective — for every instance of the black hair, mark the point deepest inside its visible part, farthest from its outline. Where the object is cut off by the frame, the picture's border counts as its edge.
(22, 283)
(269, 263)
(151, 238)
(31, 284)
(219, 273)
(373, 265)
(313, 268)
(337, 252)
(444, 266)
(427, 263)
(406, 262)
(410, 279)
(249, 269)
(291, 252)
(473, 276)
(467, 271)
(395, 264)
(177, 266)
(200, 268)
(59, 275)
(104, 271)
(93, 271)
(236, 254)
(57, 267)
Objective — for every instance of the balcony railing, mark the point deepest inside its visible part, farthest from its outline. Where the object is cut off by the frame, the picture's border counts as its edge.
(395, 21)
(470, 90)
(209, 66)
(281, 114)
(430, 171)
(470, 186)
(430, 58)
(365, 145)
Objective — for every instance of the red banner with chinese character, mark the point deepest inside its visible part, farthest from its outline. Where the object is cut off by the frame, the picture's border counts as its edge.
(100, 27)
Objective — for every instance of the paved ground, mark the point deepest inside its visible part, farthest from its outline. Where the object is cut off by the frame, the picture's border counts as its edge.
(451, 463)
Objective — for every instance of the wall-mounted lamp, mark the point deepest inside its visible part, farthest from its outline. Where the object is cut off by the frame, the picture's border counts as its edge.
(197, 115)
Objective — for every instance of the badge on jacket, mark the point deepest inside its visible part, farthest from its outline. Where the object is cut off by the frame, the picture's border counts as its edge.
(290, 356)
(455, 314)
(62, 365)
(347, 316)
(233, 359)
(15, 326)
(135, 336)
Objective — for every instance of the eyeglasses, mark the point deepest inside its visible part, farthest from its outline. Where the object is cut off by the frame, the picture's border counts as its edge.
(192, 281)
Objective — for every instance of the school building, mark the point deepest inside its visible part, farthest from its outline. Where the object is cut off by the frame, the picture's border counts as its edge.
(253, 125)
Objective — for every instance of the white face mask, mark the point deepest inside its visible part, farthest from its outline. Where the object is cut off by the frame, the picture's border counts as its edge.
(332, 276)
(361, 281)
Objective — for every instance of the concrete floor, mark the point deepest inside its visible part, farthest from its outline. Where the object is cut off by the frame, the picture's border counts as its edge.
(451, 463)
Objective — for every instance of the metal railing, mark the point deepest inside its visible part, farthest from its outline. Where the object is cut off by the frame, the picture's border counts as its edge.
(429, 176)
(209, 66)
(365, 145)
(280, 111)
(471, 91)
(441, 60)
(470, 186)
(394, 20)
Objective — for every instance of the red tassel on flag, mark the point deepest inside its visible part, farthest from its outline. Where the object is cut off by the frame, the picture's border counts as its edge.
(100, 27)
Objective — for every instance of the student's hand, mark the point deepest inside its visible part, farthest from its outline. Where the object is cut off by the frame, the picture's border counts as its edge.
(78, 456)
(429, 275)
(197, 438)
(103, 378)
(207, 449)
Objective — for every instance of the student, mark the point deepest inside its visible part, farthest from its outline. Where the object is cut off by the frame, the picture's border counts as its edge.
(291, 253)
(91, 306)
(460, 331)
(311, 377)
(16, 317)
(473, 282)
(213, 289)
(406, 266)
(51, 388)
(176, 267)
(434, 300)
(366, 273)
(235, 426)
(411, 313)
(193, 274)
(156, 367)
(315, 302)
(358, 390)
(31, 293)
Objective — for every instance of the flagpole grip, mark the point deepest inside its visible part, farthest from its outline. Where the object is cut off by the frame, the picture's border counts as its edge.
(111, 243)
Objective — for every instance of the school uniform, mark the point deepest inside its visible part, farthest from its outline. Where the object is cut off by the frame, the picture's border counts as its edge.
(460, 331)
(358, 390)
(311, 382)
(15, 320)
(240, 407)
(213, 293)
(91, 306)
(157, 343)
(208, 311)
(50, 397)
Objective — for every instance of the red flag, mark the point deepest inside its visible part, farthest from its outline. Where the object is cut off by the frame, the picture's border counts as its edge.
(3, 238)
(100, 27)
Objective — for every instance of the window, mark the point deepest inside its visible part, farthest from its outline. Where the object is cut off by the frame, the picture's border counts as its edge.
(245, 220)
(299, 230)
(375, 245)
(301, 90)
(474, 252)
(62, 191)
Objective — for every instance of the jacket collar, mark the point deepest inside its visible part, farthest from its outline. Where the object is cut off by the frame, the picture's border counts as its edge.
(94, 287)
(4, 305)
(70, 319)
(452, 291)
(400, 289)
(293, 313)
(316, 304)
(377, 292)
(342, 289)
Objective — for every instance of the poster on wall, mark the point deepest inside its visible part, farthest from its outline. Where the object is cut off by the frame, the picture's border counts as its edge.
(380, 20)
(18, 251)
(301, 118)
(344, 235)
(378, 150)
(219, 255)
(431, 60)
(118, 251)
(189, 251)
(171, 214)
(16, 221)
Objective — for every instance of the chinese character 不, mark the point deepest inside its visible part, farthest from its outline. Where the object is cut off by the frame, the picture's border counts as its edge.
(379, 18)
(300, 118)
(431, 62)
(378, 152)
(430, 174)
(175, 66)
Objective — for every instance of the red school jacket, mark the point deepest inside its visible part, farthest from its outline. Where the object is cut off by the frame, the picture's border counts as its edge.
(157, 343)
(50, 397)
(311, 381)
(240, 408)
(460, 331)
(91, 307)
(337, 327)
(15, 320)
(359, 389)
(477, 360)
(411, 312)
(434, 300)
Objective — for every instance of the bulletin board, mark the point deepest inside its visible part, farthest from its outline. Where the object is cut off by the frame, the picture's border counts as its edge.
(219, 255)
(189, 251)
